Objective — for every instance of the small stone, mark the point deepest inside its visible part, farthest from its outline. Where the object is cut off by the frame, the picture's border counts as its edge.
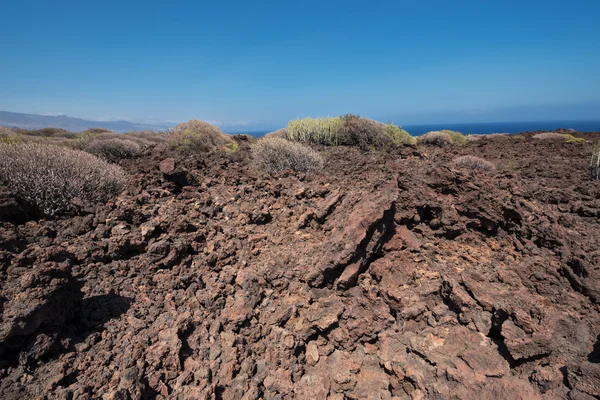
(312, 353)
(167, 166)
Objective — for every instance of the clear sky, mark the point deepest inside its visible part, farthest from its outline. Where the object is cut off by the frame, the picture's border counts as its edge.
(260, 63)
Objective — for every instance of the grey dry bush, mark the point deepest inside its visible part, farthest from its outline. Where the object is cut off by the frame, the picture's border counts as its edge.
(436, 138)
(113, 148)
(473, 163)
(54, 179)
(275, 155)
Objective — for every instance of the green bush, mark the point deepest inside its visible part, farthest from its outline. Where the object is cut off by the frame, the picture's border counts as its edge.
(558, 136)
(9, 136)
(398, 136)
(323, 131)
(55, 179)
(197, 135)
(275, 155)
(457, 137)
(442, 138)
(348, 130)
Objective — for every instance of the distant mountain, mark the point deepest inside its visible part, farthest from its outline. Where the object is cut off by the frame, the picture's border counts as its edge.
(33, 121)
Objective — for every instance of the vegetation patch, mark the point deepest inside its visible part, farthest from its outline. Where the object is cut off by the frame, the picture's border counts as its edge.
(398, 136)
(435, 138)
(558, 136)
(274, 155)
(113, 148)
(325, 131)
(349, 130)
(197, 135)
(473, 163)
(55, 180)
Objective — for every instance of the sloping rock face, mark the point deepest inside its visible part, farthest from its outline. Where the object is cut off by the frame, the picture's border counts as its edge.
(384, 277)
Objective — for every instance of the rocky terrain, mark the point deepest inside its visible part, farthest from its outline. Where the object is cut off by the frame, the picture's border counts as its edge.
(385, 276)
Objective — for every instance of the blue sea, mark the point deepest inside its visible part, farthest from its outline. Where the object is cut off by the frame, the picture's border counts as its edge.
(491, 127)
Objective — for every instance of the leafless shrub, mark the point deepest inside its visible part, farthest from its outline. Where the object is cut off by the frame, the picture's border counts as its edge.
(473, 163)
(114, 148)
(365, 133)
(197, 135)
(280, 133)
(56, 179)
(436, 138)
(276, 155)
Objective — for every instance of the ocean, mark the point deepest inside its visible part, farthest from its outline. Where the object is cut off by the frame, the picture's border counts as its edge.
(491, 127)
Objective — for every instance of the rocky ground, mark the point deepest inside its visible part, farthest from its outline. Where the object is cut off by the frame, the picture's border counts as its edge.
(383, 277)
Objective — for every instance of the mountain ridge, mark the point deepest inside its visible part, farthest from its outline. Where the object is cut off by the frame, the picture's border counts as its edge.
(36, 121)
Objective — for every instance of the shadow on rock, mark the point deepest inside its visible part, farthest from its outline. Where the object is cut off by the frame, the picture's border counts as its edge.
(95, 311)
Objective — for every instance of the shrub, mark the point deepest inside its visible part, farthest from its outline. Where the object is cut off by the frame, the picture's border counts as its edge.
(556, 136)
(276, 155)
(436, 138)
(54, 179)
(197, 135)
(348, 130)
(9, 136)
(323, 131)
(365, 133)
(96, 131)
(113, 148)
(149, 136)
(280, 133)
(572, 139)
(51, 132)
(398, 136)
(457, 137)
(473, 163)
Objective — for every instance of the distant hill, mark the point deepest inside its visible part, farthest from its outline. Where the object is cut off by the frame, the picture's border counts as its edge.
(33, 121)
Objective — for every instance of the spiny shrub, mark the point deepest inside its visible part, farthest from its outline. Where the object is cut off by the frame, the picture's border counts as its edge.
(275, 155)
(398, 136)
(55, 179)
(114, 148)
(473, 163)
(436, 138)
(323, 131)
(197, 135)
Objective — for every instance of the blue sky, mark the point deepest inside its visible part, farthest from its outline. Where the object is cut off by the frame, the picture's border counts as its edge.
(260, 63)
